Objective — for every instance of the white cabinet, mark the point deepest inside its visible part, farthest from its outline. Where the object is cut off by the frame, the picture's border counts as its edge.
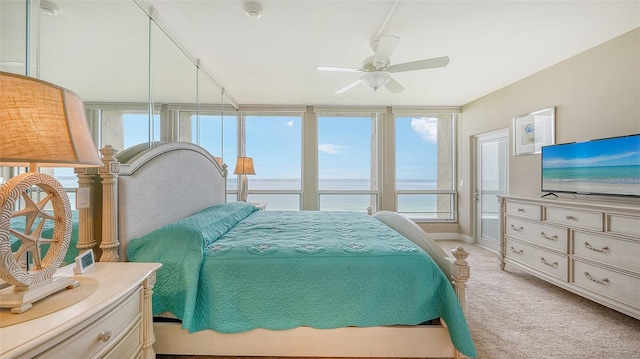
(113, 322)
(590, 248)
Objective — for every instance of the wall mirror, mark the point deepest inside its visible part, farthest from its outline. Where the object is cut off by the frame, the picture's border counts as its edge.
(118, 60)
(138, 84)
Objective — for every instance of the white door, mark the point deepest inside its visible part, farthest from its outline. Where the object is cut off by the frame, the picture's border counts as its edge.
(491, 180)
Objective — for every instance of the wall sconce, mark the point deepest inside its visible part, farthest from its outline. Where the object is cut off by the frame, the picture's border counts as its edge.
(43, 125)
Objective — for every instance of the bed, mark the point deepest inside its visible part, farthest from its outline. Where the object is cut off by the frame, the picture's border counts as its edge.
(173, 191)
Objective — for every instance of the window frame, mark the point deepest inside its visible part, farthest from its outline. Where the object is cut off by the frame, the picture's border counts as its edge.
(451, 192)
(269, 111)
(376, 116)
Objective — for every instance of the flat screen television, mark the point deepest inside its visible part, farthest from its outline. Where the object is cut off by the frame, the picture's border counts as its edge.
(607, 166)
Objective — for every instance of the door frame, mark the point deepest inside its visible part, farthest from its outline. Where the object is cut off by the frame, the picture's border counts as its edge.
(502, 133)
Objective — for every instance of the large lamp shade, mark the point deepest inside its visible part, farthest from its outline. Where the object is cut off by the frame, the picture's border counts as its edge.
(43, 124)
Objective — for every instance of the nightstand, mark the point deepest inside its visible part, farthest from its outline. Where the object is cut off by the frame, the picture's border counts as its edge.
(115, 321)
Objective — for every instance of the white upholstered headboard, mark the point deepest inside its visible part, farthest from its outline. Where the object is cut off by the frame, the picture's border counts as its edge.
(163, 184)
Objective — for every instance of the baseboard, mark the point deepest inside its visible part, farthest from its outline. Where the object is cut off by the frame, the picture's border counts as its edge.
(452, 237)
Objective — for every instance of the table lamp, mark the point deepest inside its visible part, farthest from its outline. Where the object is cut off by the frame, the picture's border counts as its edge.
(41, 125)
(244, 167)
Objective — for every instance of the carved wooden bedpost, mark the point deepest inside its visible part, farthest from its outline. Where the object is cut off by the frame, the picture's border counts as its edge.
(86, 234)
(460, 273)
(109, 173)
(147, 323)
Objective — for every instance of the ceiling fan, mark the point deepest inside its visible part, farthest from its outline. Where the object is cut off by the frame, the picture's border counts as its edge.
(378, 69)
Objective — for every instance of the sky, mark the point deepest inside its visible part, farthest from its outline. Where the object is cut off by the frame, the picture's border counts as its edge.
(619, 151)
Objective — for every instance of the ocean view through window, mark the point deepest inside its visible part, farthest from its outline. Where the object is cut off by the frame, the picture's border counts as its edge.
(307, 158)
(347, 162)
(425, 166)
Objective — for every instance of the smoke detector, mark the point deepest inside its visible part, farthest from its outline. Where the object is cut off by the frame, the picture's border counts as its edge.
(253, 9)
(49, 8)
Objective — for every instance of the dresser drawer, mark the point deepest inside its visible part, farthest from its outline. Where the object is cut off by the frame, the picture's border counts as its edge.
(99, 335)
(545, 235)
(550, 263)
(625, 225)
(130, 346)
(575, 218)
(527, 210)
(608, 250)
(619, 286)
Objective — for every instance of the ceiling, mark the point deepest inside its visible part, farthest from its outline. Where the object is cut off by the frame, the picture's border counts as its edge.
(270, 60)
(491, 44)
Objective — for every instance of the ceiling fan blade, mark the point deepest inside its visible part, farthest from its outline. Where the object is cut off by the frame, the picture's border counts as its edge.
(338, 69)
(349, 86)
(393, 86)
(420, 65)
(386, 45)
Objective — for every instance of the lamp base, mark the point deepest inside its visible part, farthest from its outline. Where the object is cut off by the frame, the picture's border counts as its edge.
(20, 300)
(244, 189)
(28, 286)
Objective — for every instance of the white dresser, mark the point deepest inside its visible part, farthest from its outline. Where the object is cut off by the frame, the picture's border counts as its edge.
(588, 247)
(115, 321)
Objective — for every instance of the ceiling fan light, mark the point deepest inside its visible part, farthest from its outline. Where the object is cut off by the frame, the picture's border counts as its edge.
(375, 80)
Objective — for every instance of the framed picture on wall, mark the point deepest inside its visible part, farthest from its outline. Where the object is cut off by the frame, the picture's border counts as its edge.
(533, 130)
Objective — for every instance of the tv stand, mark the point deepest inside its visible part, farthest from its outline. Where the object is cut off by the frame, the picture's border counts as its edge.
(549, 194)
(587, 247)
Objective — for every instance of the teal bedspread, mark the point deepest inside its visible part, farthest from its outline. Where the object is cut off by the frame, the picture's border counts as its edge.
(232, 269)
(18, 224)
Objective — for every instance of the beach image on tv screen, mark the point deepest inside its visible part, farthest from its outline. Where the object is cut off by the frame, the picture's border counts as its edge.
(607, 166)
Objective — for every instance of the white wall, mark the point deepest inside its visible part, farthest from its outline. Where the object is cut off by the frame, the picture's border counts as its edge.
(596, 94)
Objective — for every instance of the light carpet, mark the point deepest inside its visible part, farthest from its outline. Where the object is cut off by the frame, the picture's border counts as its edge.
(514, 315)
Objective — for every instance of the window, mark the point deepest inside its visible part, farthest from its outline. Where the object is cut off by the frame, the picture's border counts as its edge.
(344, 165)
(123, 129)
(274, 141)
(347, 162)
(425, 165)
(68, 181)
(216, 131)
(205, 129)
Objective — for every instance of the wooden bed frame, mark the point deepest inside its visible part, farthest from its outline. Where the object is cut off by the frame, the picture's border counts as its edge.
(173, 180)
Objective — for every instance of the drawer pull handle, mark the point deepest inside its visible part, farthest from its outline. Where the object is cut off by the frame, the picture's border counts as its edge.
(516, 252)
(544, 261)
(601, 250)
(520, 209)
(605, 281)
(516, 229)
(570, 217)
(554, 238)
(104, 336)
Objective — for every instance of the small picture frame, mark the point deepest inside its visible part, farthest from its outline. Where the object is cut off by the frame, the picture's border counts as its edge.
(84, 261)
(533, 130)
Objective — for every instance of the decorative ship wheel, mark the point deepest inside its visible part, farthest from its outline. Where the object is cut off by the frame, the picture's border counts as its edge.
(31, 284)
